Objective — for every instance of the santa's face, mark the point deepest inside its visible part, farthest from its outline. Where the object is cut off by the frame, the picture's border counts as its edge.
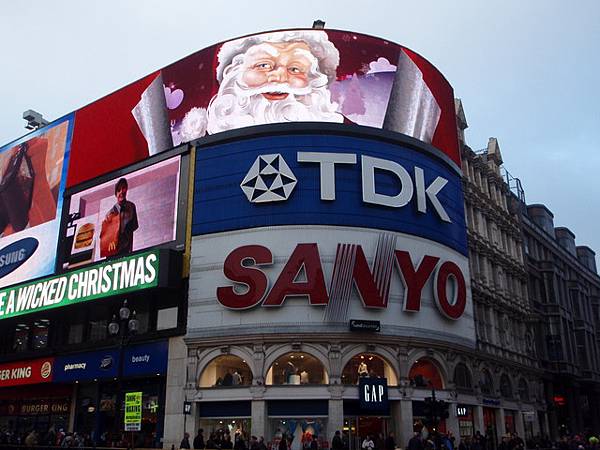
(277, 64)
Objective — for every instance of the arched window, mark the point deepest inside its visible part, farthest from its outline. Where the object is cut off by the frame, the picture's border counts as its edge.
(371, 365)
(505, 386)
(462, 377)
(226, 370)
(297, 368)
(486, 383)
(424, 373)
(523, 390)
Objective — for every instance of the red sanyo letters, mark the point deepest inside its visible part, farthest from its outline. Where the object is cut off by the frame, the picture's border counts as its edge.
(243, 266)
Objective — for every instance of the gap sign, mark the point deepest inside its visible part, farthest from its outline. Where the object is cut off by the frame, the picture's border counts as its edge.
(103, 280)
(373, 395)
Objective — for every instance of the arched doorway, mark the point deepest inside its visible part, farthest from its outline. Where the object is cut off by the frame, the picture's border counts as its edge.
(358, 423)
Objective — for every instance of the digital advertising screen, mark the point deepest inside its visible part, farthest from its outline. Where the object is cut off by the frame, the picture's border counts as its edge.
(33, 173)
(123, 215)
(301, 75)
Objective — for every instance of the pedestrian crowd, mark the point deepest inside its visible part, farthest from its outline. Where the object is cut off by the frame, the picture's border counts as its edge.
(52, 438)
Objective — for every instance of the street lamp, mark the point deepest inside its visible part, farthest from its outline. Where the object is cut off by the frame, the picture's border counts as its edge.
(125, 326)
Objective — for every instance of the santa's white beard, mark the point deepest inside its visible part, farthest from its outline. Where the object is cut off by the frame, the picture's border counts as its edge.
(236, 106)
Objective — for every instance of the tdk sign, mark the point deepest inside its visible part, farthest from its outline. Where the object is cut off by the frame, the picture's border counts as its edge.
(328, 180)
(270, 180)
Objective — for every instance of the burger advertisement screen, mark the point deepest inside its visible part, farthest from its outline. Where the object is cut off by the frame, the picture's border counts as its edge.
(32, 181)
(123, 215)
(301, 75)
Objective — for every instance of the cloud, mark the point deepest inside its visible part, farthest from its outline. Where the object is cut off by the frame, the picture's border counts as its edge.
(381, 65)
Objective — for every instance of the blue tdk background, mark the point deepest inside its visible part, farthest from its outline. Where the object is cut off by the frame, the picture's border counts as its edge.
(221, 205)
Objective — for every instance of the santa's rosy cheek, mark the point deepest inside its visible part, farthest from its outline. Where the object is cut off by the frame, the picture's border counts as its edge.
(298, 81)
(253, 78)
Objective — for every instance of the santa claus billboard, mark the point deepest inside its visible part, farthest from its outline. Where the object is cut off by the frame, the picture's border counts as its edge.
(275, 77)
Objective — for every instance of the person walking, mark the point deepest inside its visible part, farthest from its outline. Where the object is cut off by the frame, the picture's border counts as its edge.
(199, 440)
(336, 442)
(185, 442)
(368, 443)
(390, 442)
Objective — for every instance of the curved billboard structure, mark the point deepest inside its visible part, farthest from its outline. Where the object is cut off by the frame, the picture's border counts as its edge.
(282, 76)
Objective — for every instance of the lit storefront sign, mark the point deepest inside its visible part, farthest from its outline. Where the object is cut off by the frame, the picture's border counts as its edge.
(119, 276)
(442, 273)
(373, 395)
(86, 366)
(26, 372)
(146, 359)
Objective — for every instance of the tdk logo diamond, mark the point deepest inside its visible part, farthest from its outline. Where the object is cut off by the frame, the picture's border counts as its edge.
(269, 180)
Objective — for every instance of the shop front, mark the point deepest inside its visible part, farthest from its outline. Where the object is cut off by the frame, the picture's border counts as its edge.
(466, 422)
(101, 380)
(489, 424)
(298, 421)
(37, 408)
(221, 419)
(26, 401)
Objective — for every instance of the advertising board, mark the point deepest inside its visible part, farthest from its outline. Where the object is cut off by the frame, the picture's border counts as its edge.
(125, 214)
(133, 411)
(373, 395)
(315, 231)
(146, 359)
(117, 276)
(86, 366)
(301, 75)
(32, 181)
(328, 179)
(317, 278)
(26, 372)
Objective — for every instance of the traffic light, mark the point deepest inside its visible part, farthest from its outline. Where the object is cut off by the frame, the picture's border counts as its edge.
(443, 408)
(435, 411)
(428, 408)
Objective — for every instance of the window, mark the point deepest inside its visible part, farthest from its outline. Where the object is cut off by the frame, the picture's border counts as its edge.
(40, 334)
(98, 330)
(75, 335)
(226, 370)
(462, 377)
(523, 390)
(424, 373)
(486, 383)
(505, 386)
(21, 342)
(297, 368)
(368, 364)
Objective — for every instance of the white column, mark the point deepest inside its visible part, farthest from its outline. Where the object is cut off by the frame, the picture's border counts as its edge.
(175, 395)
(259, 418)
(500, 424)
(452, 422)
(336, 418)
(478, 419)
(519, 426)
(403, 416)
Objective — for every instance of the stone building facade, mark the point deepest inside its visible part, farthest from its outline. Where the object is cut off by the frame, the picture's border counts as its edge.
(506, 365)
(564, 290)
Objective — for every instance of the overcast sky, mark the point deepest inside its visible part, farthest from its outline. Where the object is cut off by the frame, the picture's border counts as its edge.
(527, 71)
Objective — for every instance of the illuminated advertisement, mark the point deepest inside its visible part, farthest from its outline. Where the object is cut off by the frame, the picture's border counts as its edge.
(317, 228)
(32, 181)
(302, 75)
(118, 276)
(328, 179)
(128, 213)
(26, 372)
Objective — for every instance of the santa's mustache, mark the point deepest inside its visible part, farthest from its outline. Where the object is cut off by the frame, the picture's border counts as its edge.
(275, 88)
